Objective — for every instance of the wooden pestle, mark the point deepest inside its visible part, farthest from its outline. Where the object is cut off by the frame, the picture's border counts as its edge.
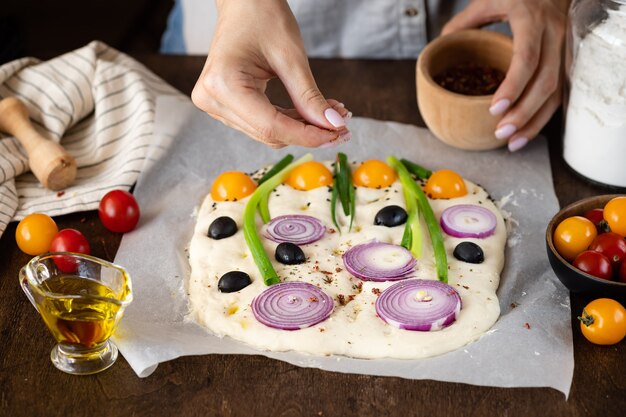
(51, 164)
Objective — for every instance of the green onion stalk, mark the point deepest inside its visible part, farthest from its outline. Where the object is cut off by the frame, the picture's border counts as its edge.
(441, 259)
(250, 233)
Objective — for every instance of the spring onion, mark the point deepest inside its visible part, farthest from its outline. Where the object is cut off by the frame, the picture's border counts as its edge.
(264, 210)
(417, 170)
(344, 190)
(253, 241)
(441, 259)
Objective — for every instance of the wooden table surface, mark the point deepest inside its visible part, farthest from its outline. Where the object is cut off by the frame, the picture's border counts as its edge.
(233, 385)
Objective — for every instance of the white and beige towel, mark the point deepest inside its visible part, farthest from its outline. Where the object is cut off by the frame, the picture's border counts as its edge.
(100, 104)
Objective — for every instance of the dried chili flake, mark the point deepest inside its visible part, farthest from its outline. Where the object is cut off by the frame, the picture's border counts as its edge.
(470, 79)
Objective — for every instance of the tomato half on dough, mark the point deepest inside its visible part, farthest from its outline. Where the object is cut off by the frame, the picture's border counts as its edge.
(603, 322)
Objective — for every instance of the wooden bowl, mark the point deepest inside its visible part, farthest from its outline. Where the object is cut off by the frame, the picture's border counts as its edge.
(460, 120)
(574, 279)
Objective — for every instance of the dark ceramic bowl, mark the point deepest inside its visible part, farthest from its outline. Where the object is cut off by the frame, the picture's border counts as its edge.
(574, 279)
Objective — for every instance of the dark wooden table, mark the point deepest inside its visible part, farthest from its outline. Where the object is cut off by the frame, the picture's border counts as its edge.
(254, 385)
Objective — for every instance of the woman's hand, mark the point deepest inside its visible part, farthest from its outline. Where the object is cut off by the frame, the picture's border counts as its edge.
(255, 41)
(531, 90)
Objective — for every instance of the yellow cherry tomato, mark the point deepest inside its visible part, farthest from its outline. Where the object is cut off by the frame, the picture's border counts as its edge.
(232, 186)
(615, 215)
(445, 183)
(603, 321)
(573, 236)
(373, 174)
(309, 175)
(35, 233)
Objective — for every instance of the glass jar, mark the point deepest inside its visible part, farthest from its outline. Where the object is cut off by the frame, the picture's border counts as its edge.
(594, 143)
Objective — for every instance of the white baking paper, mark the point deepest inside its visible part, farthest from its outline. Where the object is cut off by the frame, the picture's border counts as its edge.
(529, 346)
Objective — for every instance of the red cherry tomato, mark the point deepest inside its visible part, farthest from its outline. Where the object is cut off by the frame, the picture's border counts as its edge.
(594, 263)
(621, 276)
(595, 215)
(119, 211)
(69, 240)
(611, 245)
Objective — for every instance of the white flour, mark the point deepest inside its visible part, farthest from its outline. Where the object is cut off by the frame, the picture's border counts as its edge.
(595, 132)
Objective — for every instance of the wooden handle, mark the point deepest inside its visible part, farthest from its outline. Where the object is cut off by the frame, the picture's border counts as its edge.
(51, 164)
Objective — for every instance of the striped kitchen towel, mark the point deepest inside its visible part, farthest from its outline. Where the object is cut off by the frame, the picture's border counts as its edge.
(96, 101)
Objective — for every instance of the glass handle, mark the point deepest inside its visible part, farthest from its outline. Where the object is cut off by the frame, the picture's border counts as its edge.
(26, 288)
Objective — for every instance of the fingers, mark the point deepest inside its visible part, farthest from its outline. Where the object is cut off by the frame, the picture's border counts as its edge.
(295, 73)
(527, 49)
(475, 14)
(536, 123)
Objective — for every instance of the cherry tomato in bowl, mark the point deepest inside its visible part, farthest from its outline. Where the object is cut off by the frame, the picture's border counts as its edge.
(119, 211)
(35, 232)
(573, 235)
(611, 245)
(603, 321)
(69, 240)
(615, 215)
(594, 263)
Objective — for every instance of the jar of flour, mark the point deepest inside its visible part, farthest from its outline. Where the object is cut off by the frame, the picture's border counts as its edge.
(594, 144)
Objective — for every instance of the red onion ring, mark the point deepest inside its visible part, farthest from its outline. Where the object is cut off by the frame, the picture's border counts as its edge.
(378, 261)
(292, 306)
(467, 220)
(295, 228)
(417, 304)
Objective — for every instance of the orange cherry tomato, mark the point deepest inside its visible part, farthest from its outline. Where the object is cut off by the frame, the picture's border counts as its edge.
(573, 236)
(232, 186)
(603, 321)
(310, 175)
(374, 174)
(35, 232)
(615, 215)
(445, 183)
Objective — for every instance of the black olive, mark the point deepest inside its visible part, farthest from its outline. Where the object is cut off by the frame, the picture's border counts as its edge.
(222, 227)
(390, 216)
(233, 281)
(289, 254)
(469, 252)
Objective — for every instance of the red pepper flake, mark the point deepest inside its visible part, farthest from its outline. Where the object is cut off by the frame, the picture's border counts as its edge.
(514, 305)
(470, 79)
(322, 330)
(331, 231)
(527, 326)
(313, 299)
(326, 272)
(375, 291)
(338, 269)
(316, 267)
(466, 287)
(60, 193)
(342, 299)
(351, 297)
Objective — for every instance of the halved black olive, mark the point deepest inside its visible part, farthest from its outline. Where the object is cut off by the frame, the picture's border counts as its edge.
(390, 216)
(233, 281)
(222, 227)
(469, 252)
(289, 254)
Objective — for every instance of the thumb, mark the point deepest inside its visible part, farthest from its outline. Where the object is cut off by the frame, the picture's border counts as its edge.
(306, 97)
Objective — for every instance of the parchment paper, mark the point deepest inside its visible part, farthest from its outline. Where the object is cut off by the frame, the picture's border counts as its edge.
(529, 346)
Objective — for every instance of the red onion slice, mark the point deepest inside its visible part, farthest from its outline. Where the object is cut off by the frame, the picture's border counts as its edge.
(378, 261)
(292, 306)
(467, 220)
(417, 304)
(295, 228)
